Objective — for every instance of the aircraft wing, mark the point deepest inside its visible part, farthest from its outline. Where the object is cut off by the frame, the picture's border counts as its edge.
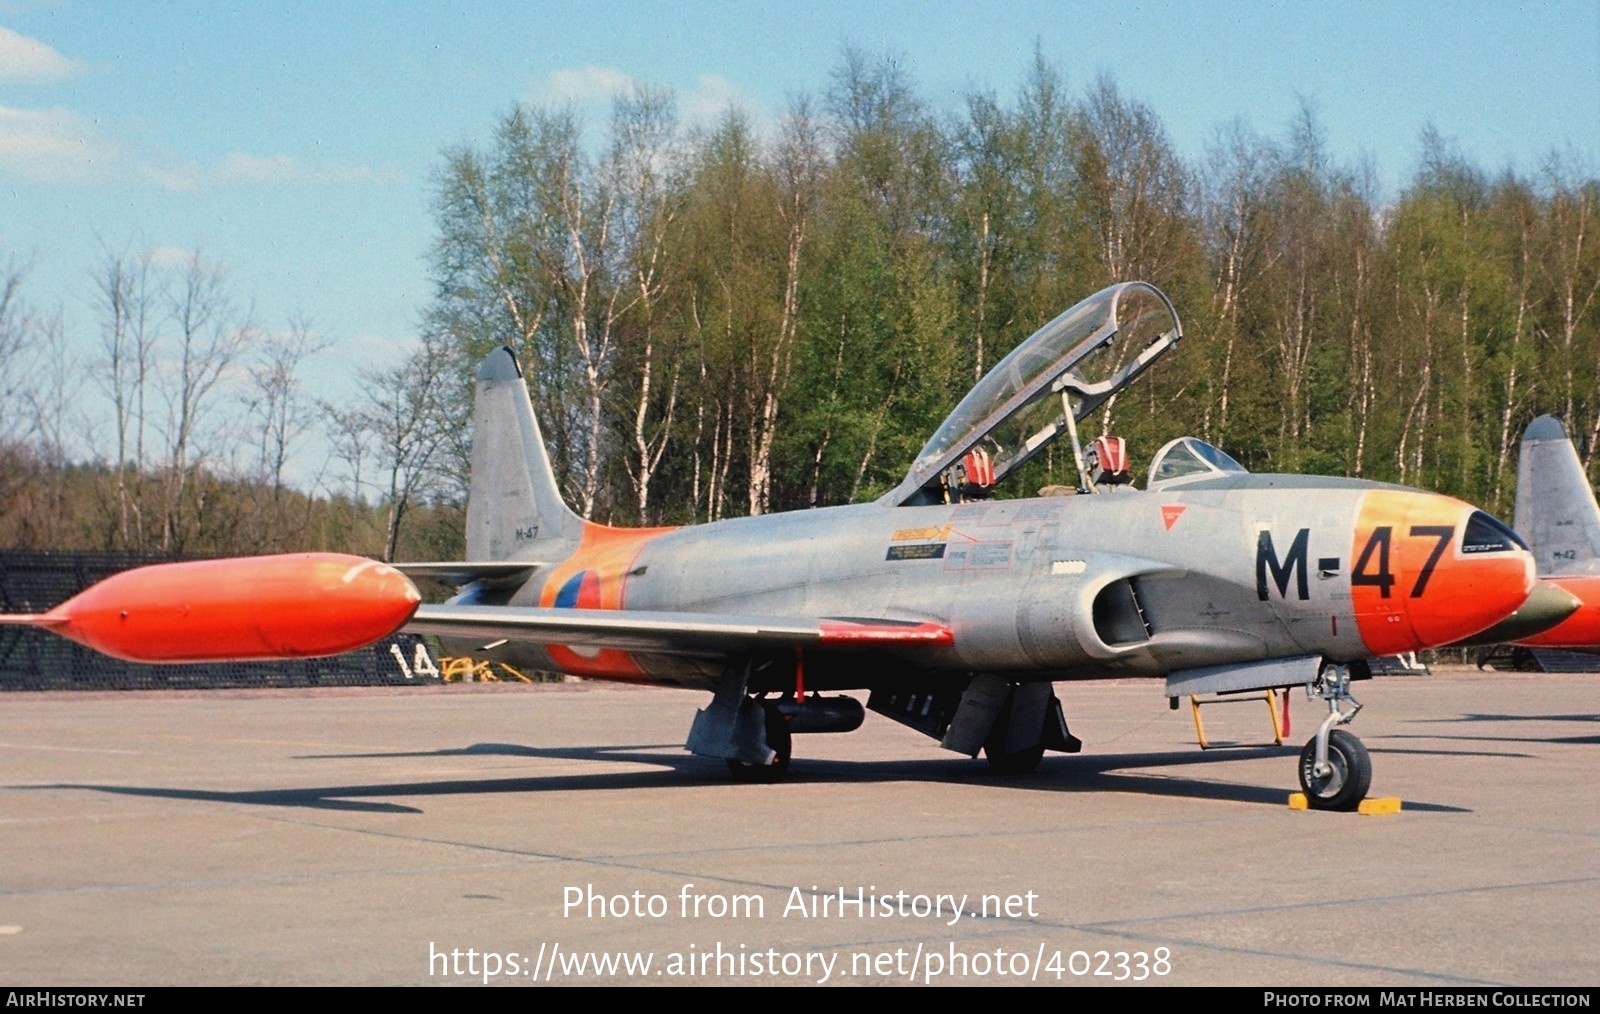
(670, 633)
(498, 574)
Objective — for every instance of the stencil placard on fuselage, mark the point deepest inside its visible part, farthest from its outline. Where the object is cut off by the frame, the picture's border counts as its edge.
(978, 556)
(922, 551)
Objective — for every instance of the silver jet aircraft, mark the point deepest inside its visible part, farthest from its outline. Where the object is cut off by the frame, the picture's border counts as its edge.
(958, 612)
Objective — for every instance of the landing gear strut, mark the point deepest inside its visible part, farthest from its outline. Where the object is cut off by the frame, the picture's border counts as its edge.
(1335, 767)
(751, 734)
(778, 740)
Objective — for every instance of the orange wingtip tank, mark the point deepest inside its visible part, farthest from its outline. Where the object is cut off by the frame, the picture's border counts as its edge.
(303, 605)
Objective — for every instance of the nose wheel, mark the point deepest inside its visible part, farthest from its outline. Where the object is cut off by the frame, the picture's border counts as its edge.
(1342, 782)
(1335, 766)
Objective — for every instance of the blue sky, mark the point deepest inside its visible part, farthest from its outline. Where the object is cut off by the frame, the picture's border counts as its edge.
(295, 143)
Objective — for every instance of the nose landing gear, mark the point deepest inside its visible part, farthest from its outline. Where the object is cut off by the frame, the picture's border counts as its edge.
(1335, 767)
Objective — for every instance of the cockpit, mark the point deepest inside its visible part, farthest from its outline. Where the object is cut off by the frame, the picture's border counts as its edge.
(1063, 372)
(1188, 458)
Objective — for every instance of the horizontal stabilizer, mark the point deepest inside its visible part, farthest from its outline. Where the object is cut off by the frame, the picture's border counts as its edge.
(498, 574)
(670, 633)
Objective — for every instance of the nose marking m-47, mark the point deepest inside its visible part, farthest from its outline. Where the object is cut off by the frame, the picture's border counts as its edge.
(1372, 567)
(1292, 565)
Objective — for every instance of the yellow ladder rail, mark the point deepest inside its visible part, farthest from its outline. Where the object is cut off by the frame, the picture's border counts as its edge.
(464, 669)
(1269, 696)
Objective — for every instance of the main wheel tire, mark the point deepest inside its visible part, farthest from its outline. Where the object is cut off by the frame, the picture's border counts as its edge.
(1345, 786)
(779, 741)
(1019, 763)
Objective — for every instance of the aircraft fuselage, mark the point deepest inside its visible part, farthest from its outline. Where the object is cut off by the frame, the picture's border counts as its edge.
(1128, 583)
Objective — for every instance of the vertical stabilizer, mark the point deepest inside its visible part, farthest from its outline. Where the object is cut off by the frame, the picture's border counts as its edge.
(513, 502)
(1556, 511)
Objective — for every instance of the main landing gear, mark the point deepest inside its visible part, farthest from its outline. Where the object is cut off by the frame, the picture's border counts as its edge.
(754, 732)
(1020, 762)
(779, 741)
(1335, 767)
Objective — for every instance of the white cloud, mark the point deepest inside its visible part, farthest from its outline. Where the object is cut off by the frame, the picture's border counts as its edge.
(241, 168)
(25, 59)
(594, 87)
(171, 177)
(55, 146)
(585, 84)
(711, 97)
(60, 146)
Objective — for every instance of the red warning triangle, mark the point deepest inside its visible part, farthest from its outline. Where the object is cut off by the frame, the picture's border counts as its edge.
(1170, 513)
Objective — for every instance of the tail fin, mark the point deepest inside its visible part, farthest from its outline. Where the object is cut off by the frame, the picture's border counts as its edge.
(1556, 511)
(513, 502)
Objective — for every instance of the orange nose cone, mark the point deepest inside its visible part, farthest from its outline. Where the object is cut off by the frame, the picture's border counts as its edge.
(304, 605)
(1429, 570)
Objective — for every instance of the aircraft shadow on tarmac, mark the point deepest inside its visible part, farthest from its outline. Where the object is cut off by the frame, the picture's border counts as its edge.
(1485, 717)
(1552, 740)
(672, 769)
(1477, 718)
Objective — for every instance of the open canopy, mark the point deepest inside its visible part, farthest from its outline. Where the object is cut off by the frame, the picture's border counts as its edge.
(1081, 359)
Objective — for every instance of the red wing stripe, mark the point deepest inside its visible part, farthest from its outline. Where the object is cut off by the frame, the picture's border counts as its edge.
(843, 632)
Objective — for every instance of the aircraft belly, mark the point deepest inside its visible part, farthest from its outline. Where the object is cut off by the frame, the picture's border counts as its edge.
(1188, 648)
(524, 656)
(531, 658)
(984, 620)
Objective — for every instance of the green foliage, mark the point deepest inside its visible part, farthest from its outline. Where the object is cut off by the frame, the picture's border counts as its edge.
(737, 319)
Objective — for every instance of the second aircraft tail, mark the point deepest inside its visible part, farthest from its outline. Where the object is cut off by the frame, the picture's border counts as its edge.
(1556, 511)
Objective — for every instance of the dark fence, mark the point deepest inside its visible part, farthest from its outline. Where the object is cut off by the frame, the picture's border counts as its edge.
(33, 582)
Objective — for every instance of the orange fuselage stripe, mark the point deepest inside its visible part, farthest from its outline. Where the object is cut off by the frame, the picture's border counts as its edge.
(604, 556)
